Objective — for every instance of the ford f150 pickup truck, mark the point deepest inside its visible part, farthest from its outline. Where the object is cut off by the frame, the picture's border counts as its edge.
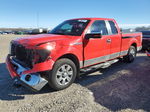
(58, 57)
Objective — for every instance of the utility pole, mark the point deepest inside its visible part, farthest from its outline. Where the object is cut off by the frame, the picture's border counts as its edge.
(37, 19)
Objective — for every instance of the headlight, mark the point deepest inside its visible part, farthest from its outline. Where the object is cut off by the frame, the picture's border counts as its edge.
(44, 49)
(42, 54)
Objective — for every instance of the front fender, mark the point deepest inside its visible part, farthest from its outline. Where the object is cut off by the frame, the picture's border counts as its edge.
(72, 49)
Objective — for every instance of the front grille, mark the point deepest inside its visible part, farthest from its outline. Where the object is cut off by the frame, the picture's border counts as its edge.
(22, 54)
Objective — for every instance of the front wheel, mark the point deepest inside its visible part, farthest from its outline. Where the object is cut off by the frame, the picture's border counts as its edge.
(63, 74)
(131, 55)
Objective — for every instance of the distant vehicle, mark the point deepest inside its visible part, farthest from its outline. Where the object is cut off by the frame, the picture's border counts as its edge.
(73, 46)
(4, 33)
(9, 32)
(19, 33)
(28, 32)
(39, 31)
(146, 39)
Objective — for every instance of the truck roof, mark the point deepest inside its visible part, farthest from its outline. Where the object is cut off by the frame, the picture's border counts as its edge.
(93, 18)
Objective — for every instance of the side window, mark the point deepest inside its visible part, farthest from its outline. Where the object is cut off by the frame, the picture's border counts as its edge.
(98, 26)
(113, 27)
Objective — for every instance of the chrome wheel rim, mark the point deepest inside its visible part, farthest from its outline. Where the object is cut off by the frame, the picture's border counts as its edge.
(132, 54)
(64, 74)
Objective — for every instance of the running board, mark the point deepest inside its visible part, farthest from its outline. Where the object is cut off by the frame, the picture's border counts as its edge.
(102, 65)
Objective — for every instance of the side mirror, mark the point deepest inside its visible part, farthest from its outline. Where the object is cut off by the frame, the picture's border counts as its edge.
(93, 35)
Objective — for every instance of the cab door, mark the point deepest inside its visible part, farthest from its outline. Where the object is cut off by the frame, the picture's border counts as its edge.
(97, 50)
(115, 37)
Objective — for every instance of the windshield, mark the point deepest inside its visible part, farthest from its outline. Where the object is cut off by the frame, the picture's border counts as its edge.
(70, 27)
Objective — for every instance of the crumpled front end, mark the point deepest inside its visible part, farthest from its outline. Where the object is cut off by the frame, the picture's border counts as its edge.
(25, 65)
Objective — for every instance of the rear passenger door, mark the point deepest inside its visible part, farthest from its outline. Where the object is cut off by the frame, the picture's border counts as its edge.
(115, 37)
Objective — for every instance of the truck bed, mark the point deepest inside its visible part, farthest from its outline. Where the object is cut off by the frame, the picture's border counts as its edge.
(127, 41)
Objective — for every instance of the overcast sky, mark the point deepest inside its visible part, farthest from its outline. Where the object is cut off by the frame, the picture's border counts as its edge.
(49, 13)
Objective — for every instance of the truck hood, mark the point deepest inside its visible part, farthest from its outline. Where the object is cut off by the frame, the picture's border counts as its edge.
(42, 38)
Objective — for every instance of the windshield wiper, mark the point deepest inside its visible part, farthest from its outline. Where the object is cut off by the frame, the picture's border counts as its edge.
(59, 33)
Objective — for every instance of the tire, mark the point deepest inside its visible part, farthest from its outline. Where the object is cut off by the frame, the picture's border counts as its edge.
(131, 55)
(63, 74)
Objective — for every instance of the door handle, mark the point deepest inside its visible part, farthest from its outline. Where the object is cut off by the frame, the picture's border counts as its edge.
(108, 40)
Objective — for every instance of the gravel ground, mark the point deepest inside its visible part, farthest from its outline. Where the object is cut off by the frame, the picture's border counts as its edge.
(121, 87)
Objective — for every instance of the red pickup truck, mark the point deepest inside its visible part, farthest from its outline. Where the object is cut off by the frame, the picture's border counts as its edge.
(57, 58)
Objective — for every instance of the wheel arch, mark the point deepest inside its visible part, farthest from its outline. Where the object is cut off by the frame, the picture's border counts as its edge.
(134, 44)
(73, 58)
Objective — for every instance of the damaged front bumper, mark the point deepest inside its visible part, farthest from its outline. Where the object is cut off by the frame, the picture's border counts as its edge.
(28, 77)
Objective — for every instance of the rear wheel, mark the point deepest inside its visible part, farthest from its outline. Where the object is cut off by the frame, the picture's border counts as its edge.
(63, 74)
(131, 55)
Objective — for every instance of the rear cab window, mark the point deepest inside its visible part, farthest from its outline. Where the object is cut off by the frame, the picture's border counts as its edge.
(113, 27)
